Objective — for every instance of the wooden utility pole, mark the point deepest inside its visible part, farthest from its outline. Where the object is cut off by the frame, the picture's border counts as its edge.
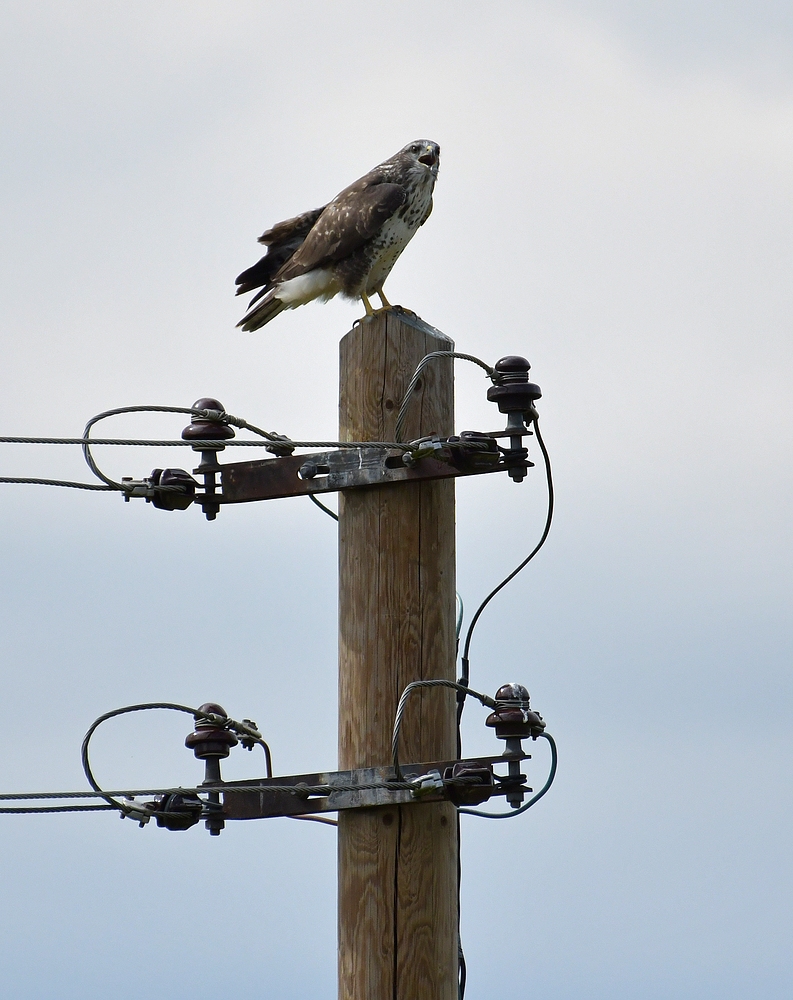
(397, 866)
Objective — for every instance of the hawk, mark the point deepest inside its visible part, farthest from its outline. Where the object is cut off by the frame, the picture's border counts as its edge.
(348, 246)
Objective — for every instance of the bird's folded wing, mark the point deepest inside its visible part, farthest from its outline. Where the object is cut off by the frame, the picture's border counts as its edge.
(347, 223)
(290, 229)
(281, 242)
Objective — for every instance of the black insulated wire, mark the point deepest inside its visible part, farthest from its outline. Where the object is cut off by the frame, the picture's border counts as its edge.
(534, 799)
(322, 506)
(465, 660)
(464, 681)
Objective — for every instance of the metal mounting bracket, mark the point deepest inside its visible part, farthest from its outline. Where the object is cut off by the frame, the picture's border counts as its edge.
(331, 471)
(295, 798)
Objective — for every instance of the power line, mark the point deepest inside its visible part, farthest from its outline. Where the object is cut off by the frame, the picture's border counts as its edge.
(29, 481)
(208, 444)
(27, 810)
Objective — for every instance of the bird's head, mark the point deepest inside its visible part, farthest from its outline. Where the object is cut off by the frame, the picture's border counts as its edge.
(425, 152)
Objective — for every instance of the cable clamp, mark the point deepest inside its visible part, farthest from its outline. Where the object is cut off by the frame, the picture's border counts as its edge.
(426, 447)
(276, 448)
(141, 812)
(426, 784)
(248, 733)
(137, 487)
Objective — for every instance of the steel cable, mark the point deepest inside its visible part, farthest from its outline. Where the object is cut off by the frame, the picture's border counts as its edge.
(27, 810)
(462, 690)
(402, 415)
(29, 481)
(210, 443)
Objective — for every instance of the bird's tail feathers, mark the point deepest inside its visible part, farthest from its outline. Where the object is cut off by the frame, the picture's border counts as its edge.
(266, 310)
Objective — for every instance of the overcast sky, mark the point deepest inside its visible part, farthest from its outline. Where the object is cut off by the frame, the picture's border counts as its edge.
(614, 202)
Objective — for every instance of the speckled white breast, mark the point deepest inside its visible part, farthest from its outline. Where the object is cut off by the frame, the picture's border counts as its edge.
(397, 233)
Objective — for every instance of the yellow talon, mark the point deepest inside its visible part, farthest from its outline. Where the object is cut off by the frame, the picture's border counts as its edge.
(383, 299)
(367, 304)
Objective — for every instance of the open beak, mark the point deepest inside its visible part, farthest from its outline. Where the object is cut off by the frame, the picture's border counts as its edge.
(429, 157)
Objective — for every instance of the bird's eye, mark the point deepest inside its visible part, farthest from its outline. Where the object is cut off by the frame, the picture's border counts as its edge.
(415, 148)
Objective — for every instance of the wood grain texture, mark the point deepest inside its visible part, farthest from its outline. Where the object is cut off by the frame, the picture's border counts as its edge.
(397, 866)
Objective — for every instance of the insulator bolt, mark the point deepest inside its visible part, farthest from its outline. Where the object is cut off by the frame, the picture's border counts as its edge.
(203, 428)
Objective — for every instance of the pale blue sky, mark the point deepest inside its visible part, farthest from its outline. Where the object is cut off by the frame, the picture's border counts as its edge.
(614, 202)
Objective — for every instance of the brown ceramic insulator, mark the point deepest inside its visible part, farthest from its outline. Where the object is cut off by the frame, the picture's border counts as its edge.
(209, 739)
(173, 477)
(511, 692)
(210, 708)
(202, 429)
(513, 717)
(512, 368)
(512, 390)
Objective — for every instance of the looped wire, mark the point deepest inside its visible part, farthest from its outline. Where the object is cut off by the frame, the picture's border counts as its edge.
(402, 416)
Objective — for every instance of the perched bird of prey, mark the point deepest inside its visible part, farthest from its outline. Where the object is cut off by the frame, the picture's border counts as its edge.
(348, 246)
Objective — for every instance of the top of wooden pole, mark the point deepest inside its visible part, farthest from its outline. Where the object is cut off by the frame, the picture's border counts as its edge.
(378, 363)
